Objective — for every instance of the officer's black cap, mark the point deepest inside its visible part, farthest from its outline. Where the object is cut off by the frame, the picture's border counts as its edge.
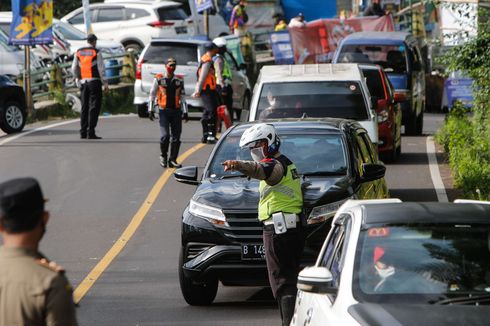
(209, 46)
(91, 38)
(21, 204)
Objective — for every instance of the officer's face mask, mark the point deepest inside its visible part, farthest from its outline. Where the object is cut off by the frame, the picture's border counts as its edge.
(171, 69)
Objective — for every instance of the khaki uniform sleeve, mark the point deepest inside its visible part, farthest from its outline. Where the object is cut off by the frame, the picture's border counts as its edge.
(60, 308)
(271, 173)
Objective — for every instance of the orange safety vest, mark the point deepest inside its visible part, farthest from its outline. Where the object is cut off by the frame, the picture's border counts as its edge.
(210, 81)
(87, 59)
(163, 84)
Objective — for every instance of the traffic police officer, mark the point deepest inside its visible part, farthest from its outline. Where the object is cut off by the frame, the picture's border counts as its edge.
(206, 89)
(168, 90)
(88, 69)
(280, 207)
(224, 75)
(33, 291)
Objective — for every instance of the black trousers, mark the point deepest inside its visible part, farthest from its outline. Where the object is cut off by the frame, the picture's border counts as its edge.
(282, 255)
(91, 97)
(210, 103)
(170, 125)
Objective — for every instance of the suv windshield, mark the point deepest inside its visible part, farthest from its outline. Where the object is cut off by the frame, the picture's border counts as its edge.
(158, 53)
(333, 99)
(422, 263)
(171, 13)
(316, 153)
(391, 57)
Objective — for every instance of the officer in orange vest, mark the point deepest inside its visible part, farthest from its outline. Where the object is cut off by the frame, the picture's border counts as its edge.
(206, 90)
(88, 69)
(168, 89)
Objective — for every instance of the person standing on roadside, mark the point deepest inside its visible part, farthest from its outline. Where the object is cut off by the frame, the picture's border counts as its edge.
(280, 208)
(168, 90)
(224, 75)
(374, 9)
(206, 90)
(298, 21)
(33, 291)
(239, 18)
(88, 69)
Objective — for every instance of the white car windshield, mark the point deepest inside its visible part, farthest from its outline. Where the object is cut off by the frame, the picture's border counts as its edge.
(392, 57)
(313, 154)
(422, 263)
(325, 99)
(68, 31)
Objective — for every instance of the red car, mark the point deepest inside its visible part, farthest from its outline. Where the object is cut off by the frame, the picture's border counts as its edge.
(388, 110)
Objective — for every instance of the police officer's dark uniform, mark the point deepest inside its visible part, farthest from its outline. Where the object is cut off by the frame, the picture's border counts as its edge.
(88, 68)
(168, 90)
(206, 89)
(33, 291)
(280, 193)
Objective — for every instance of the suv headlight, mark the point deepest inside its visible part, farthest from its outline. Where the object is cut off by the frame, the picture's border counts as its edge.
(322, 213)
(212, 214)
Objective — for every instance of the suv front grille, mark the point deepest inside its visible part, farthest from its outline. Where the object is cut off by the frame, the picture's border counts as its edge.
(244, 227)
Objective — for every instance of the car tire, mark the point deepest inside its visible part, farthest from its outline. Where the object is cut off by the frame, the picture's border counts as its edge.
(411, 124)
(196, 294)
(142, 110)
(12, 117)
(133, 47)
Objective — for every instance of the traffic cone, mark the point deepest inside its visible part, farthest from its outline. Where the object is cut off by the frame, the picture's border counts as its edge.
(224, 115)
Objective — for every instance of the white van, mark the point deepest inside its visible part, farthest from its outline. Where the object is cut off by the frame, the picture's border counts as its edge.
(313, 91)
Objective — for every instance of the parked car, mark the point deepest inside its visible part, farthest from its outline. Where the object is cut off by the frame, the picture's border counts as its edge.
(12, 106)
(187, 52)
(388, 111)
(221, 234)
(323, 90)
(386, 262)
(399, 54)
(134, 24)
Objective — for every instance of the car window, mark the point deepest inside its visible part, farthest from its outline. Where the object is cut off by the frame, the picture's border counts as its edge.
(109, 15)
(318, 153)
(420, 263)
(158, 53)
(335, 99)
(391, 57)
(133, 13)
(69, 32)
(78, 18)
(374, 82)
(171, 13)
(5, 28)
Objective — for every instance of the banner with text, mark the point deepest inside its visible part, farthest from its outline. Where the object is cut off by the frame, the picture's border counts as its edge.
(32, 22)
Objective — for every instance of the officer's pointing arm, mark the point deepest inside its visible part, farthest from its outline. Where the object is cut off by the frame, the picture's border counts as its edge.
(271, 172)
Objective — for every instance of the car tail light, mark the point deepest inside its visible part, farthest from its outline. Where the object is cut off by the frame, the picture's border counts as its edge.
(382, 111)
(160, 23)
(138, 68)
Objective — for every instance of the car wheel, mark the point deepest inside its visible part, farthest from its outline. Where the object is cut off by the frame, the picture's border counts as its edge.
(12, 117)
(133, 47)
(142, 110)
(411, 124)
(399, 149)
(196, 294)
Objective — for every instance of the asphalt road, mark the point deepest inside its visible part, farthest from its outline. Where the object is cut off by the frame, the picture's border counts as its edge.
(96, 188)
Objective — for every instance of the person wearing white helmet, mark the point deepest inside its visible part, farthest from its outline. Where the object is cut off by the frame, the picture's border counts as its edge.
(223, 75)
(280, 208)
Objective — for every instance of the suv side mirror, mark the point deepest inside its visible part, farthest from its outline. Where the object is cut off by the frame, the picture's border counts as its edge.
(316, 280)
(187, 175)
(372, 171)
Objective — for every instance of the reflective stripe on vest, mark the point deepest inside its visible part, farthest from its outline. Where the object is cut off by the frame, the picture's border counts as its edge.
(87, 58)
(286, 196)
(162, 91)
(210, 81)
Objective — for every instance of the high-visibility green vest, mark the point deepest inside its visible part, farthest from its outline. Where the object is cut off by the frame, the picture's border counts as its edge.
(226, 69)
(283, 197)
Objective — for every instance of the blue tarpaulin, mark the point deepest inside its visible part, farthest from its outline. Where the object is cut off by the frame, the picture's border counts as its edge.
(31, 22)
(311, 9)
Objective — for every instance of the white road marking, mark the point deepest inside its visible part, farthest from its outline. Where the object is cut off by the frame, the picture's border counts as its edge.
(434, 171)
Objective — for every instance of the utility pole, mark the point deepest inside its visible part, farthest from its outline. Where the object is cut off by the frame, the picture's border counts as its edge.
(206, 23)
(27, 79)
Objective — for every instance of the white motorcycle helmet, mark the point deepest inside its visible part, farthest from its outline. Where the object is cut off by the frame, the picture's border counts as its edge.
(220, 42)
(260, 132)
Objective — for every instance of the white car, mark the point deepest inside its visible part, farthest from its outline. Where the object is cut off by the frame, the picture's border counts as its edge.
(315, 91)
(12, 59)
(187, 52)
(134, 24)
(386, 262)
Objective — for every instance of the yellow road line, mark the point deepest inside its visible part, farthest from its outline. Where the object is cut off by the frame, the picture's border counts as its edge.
(140, 215)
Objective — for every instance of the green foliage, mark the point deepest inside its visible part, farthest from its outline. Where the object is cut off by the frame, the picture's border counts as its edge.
(467, 138)
(118, 102)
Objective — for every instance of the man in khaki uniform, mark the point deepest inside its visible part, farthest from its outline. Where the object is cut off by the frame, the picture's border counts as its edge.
(33, 291)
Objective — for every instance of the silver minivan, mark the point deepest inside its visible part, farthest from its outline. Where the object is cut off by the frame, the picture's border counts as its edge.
(313, 91)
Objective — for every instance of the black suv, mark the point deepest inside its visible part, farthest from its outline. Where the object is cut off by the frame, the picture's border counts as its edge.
(221, 235)
(12, 106)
